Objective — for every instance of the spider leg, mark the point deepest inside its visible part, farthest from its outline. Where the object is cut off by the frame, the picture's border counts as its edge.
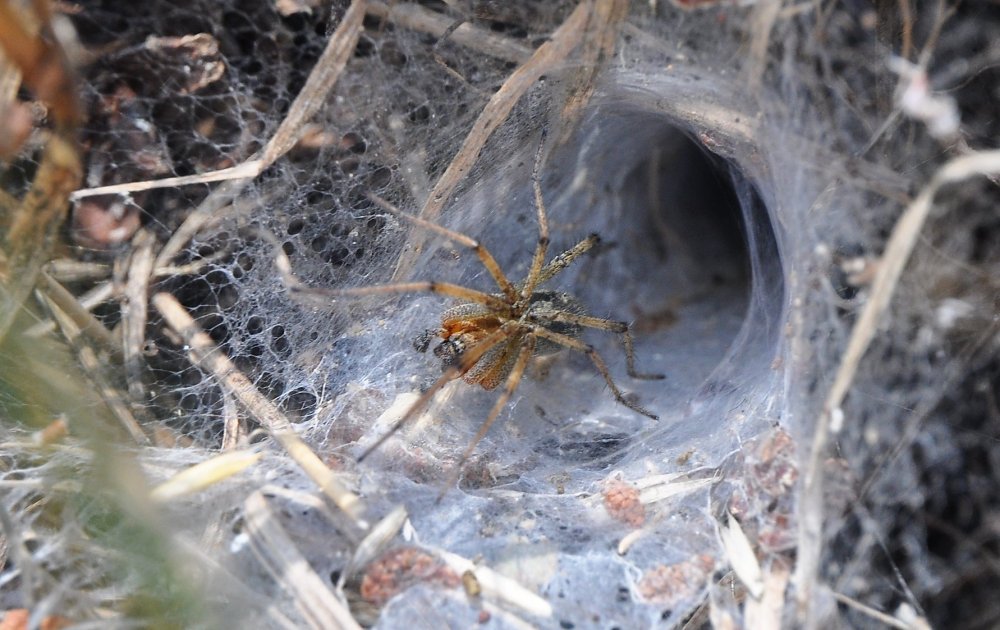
(513, 380)
(468, 360)
(484, 254)
(564, 259)
(574, 344)
(609, 325)
(543, 227)
(321, 296)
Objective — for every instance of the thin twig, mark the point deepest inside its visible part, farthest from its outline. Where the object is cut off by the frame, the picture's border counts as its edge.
(897, 251)
(907, 27)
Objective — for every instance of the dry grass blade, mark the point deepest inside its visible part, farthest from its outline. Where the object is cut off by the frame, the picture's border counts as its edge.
(672, 488)
(499, 588)
(897, 251)
(765, 613)
(280, 555)
(374, 543)
(602, 34)
(741, 556)
(205, 474)
(246, 170)
(764, 16)
(206, 355)
(135, 308)
(546, 58)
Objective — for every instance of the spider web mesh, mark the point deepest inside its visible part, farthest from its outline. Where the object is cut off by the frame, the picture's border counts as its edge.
(741, 198)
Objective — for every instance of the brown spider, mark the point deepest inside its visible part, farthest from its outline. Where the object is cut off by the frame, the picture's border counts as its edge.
(490, 337)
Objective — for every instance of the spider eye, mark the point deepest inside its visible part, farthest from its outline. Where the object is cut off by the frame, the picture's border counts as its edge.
(449, 351)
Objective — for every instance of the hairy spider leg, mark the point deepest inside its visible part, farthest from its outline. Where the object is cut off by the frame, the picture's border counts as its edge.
(310, 294)
(513, 380)
(609, 325)
(564, 259)
(538, 260)
(468, 360)
(595, 358)
(480, 250)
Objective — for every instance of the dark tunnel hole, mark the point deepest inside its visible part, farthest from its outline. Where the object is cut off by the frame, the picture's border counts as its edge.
(691, 212)
(694, 264)
(696, 236)
(716, 240)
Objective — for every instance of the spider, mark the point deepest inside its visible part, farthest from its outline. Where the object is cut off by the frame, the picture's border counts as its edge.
(489, 338)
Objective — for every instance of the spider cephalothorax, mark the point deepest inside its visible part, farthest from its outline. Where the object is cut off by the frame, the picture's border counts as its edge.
(465, 325)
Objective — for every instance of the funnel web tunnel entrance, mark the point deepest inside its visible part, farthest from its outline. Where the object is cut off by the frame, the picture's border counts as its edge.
(687, 256)
(691, 260)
